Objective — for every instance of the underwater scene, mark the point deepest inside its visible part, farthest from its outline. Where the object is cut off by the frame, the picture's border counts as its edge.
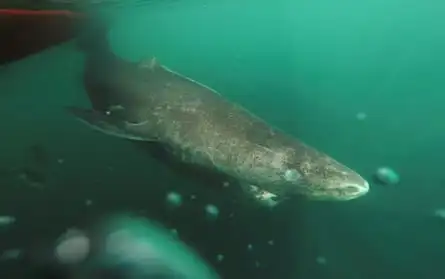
(222, 139)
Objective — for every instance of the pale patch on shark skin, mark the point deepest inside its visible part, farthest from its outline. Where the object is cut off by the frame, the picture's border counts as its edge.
(278, 159)
(191, 107)
(291, 175)
(262, 197)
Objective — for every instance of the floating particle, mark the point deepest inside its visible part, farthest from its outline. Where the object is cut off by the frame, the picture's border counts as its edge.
(271, 242)
(10, 254)
(174, 199)
(361, 116)
(174, 231)
(321, 260)
(226, 184)
(250, 247)
(88, 202)
(6, 220)
(257, 264)
(387, 176)
(60, 161)
(212, 211)
(220, 257)
(193, 197)
(73, 247)
(440, 213)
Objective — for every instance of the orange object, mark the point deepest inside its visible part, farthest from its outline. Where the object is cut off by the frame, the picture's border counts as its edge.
(26, 32)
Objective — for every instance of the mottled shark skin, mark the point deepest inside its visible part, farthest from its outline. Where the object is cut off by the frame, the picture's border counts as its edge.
(148, 102)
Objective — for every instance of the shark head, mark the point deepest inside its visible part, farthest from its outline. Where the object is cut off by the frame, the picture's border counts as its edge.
(320, 177)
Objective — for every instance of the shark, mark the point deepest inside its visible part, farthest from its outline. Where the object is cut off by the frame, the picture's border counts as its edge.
(147, 102)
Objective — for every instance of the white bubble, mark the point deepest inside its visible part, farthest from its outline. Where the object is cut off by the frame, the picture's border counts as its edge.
(361, 116)
(440, 213)
(73, 247)
(212, 211)
(7, 220)
(11, 254)
(387, 176)
(220, 257)
(174, 199)
(321, 260)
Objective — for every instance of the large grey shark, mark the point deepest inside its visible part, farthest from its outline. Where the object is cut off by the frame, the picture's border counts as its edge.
(149, 102)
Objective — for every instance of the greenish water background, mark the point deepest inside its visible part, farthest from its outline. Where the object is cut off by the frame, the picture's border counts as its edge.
(307, 67)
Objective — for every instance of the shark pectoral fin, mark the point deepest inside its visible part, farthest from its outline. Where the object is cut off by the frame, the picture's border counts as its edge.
(263, 197)
(106, 124)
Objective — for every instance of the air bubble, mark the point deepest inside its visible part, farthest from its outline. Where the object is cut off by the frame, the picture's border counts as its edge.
(212, 211)
(174, 199)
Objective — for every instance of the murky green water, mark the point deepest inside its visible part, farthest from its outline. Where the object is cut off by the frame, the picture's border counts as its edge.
(362, 81)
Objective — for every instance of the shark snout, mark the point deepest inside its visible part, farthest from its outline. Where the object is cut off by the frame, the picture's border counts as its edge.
(355, 190)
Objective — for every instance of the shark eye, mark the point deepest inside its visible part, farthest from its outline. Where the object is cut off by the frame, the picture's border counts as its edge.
(291, 175)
